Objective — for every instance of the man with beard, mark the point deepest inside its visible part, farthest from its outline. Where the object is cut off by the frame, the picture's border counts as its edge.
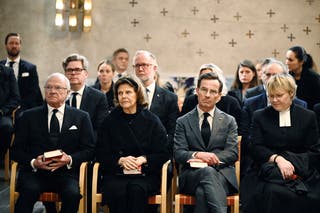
(25, 72)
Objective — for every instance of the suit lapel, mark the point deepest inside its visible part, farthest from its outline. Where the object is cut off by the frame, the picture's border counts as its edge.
(216, 124)
(194, 125)
(155, 99)
(84, 97)
(44, 120)
(67, 117)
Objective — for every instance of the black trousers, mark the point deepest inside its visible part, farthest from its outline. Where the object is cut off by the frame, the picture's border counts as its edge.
(32, 184)
(6, 129)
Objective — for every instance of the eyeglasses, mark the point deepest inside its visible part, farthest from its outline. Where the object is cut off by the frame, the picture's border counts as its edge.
(76, 70)
(144, 66)
(205, 91)
(56, 88)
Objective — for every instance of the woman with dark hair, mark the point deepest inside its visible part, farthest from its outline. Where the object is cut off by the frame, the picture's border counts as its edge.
(300, 65)
(245, 78)
(284, 177)
(104, 82)
(131, 149)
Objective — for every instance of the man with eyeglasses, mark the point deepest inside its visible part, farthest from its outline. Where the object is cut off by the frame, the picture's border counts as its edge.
(254, 103)
(84, 97)
(54, 126)
(161, 102)
(205, 145)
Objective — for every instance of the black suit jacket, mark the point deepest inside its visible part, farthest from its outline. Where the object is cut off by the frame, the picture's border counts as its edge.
(28, 83)
(95, 103)
(257, 90)
(165, 105)
(9, 93)
(32, 138)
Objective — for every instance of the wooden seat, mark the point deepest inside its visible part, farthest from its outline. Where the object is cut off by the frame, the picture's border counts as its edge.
(50, 196)
(232, 201)
(162, 199)
(7, 156)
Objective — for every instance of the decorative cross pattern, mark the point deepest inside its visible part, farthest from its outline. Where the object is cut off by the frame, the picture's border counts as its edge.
(318, 18)
(249, 34)
(232, 42)
(133, 2)
(310, 1)
(237, 16)
(270, 13)
(291, 37)
(164, 11)
(194, 10)
(307, 30)
(318, 44)
(284, 28)
(214, 18)
(214, 35)
(185, 33)
(135, 22)
(275, 53)
(147, 37)
(200, 52)
(218, 1)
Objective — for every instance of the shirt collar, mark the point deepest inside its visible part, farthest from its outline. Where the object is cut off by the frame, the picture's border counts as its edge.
(17, 60)
(151, 87)
(211, 112)
(60, 109)
(80, 91)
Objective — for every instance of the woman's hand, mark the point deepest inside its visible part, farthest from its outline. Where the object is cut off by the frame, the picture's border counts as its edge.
(286, 167)
(130, 162)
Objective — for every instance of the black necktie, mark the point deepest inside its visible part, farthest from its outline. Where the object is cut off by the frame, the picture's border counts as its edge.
(119, 75)
(205, 129)
(74, 99)
(11, 63)
(54, 123)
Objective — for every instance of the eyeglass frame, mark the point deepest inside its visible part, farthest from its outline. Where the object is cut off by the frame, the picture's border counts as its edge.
(204, 91)
(143, 65)
(56, 88)
(75, 70)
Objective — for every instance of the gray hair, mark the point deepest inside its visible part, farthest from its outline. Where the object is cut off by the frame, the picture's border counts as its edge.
(280, 63)
(147, 54)
(61, 76)
(76, 57)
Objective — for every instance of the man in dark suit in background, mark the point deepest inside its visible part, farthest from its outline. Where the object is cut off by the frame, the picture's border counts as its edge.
(53, 126)
(209, 136)
(25, 72)
(9, 100)
(83, 97)
(161, 102)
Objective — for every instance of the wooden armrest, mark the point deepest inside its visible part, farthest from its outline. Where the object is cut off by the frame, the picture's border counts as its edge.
(95, 174)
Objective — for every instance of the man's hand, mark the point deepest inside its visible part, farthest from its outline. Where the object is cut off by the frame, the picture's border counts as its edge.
(40, 164)
(130, 162)
(286, 167)
(207, 157)
(60, 162)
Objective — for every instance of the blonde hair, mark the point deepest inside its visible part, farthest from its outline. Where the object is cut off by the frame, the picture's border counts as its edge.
(282, 81)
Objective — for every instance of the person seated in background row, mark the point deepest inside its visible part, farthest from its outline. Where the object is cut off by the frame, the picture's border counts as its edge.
(53, 126)
(105, 84)
(227, 103)
(284, 149)
(245, 78)
(9, 100)
(209, 136)
(131, 149)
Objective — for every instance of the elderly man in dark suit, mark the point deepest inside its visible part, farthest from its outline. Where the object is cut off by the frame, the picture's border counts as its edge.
(25, 72)
(207, 137)
(83, 97)
(9, 100)
(53, 126)
(161, 102)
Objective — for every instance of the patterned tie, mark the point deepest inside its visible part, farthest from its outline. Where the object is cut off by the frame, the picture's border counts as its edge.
(205, 129)
(54, 123)
(74, 99)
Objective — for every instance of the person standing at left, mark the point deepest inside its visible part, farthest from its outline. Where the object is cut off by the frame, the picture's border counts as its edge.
(25, 72)
(52, 126)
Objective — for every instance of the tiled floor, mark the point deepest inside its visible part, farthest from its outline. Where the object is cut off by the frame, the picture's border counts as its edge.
(4, 197)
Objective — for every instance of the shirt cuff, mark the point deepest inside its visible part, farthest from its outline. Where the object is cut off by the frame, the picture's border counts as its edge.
(194, 154)
(69, 166)
(34, 169)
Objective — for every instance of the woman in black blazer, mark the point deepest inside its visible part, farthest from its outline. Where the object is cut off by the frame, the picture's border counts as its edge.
(284, 141)
(131, 149)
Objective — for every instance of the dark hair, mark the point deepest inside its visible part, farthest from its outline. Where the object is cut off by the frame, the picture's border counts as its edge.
(302, 55)
(237, 83)
(210, 76)
(106, 61)
(11, 34)
(120, 50)
(75, 57)
(137, 87)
